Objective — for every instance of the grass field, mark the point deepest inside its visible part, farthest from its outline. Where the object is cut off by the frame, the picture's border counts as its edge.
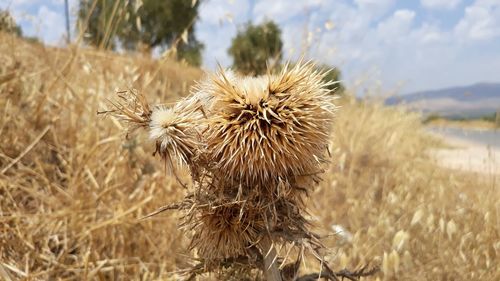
(466, 124)
(72, 186)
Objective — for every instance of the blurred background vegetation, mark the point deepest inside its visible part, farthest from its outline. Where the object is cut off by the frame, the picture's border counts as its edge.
(168, 26)
(142, 26)
(256, 46)
(7, 24)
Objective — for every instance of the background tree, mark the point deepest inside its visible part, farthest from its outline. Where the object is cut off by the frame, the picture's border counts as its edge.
(256, 45)
(497, 118)
(147, 23)
(334, 74)
(190, 52)
(106, 18)
(8, 24)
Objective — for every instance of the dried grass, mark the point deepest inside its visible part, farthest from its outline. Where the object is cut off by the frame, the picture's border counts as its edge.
(421, 221)
(69, 206)
(72, 194)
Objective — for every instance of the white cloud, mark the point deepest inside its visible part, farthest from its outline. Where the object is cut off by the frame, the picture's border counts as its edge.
(216, 12)
(43, 19)
(430, 34)
(481, 21)
(217, 25)
(374, 8)
(396, 26)
(7, 3)
(216, 42)
(440, 4)
(17, 9)
(282, 10)
(396, 50)
(51, 25)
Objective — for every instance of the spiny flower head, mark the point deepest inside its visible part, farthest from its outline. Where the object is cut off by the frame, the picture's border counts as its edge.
(225, 231)
(268, 127)
(176, 130)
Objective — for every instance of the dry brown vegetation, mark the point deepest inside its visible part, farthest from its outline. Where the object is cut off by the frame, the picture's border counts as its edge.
(465, 124)
(72, 187)
(254, 147)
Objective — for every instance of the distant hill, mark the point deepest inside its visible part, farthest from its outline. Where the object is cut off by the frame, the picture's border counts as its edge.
(457, 102)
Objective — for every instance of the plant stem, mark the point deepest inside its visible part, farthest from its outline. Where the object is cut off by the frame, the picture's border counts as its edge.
(271, 270)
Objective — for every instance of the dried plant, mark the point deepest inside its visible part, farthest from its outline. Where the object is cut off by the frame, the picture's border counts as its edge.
(255, 147)
(176, 131)
(132, 108)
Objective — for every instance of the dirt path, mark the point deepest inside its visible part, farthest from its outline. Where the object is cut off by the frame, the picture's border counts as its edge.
(468, 155)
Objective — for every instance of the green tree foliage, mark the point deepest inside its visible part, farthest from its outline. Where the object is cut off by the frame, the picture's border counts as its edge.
(149, 23)
(497, 118)
(191, 52)
(333, 75)
(255, 46)
(8, 24)
(105, 19)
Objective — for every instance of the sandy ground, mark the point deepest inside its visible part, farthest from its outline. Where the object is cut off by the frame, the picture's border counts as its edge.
(468, 155)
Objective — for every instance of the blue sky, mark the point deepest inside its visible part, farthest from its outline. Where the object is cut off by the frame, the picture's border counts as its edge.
(380, 45)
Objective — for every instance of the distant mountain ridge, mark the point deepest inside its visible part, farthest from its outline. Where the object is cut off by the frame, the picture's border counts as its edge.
(456, 102)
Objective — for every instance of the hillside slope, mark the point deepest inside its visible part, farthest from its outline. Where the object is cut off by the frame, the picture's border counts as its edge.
(468, 101)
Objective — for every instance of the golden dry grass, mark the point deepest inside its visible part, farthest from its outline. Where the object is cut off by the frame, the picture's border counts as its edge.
(69, 206)
(465, 124)
(420, 221)
(72, 187)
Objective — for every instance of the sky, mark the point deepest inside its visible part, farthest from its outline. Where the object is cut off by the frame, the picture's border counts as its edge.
(380, 46)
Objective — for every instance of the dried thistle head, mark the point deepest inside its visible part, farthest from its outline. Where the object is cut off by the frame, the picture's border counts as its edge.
(225, 231)
(253, 146)
(268, 127)
(132, 108)
(176, 130)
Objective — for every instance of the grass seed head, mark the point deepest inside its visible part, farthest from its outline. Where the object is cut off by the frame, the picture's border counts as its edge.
(132, 108)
